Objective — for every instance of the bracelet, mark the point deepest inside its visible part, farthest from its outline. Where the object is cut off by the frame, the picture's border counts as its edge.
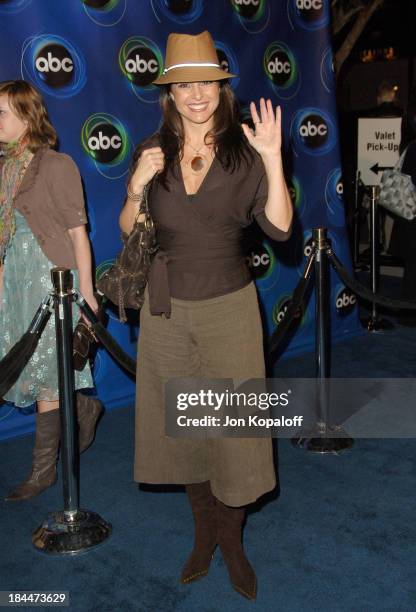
(136, 197)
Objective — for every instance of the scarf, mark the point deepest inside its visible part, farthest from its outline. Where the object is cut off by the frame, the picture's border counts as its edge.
(14, 166)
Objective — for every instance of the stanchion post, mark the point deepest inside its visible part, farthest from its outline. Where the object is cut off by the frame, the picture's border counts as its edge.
(319, 237)
(62, 282)
(318, 440)
(71, 530)
(374, 322)
(356, 228)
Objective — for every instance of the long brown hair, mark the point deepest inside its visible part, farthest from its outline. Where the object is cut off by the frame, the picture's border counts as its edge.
(230, 144)
(28, 105)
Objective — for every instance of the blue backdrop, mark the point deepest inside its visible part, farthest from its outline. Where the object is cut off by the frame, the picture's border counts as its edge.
(94, 61)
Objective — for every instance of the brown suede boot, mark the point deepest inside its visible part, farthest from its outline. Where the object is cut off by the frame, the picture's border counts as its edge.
(88, 412)
(230, 527)
(203, 509)
(45, 455)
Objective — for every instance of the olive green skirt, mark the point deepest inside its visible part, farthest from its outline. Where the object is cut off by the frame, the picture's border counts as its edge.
(215, 338)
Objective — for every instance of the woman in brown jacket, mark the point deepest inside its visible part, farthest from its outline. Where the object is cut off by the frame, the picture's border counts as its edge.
(42, 225)
(212, 178)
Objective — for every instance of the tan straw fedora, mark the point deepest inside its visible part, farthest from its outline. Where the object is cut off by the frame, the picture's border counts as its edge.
(190, 59)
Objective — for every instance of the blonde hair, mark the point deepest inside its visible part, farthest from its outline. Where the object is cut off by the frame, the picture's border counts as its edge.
(28, 105)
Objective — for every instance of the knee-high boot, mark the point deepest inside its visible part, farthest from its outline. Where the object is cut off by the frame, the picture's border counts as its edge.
(88, 412)
(45, 455)
(230, 528)
(203, 509)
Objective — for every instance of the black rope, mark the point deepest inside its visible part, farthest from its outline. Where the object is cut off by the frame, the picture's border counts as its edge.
(294, 306)
(106, 339)
(17, 358)
(363, 291)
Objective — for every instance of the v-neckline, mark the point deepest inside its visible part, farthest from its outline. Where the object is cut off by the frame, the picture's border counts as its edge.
(204, 180)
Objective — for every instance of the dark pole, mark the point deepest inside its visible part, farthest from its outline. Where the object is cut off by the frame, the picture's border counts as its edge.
(70, 531)
(375, 239)
(322, 325)
(62, 282)
(375, 322)
(357, 218)
(318, 440)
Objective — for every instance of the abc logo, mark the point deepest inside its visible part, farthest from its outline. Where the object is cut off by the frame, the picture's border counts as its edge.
(339, 188)
(258, 260)
(105, 143)
(55, 65)
(345, 302)
(279, 67)
(223, 60)
(307, 247)
(179, 7)
(281, 308)
(293, 191)
(142, 66)
(97, 4)
(247, 8)
(313, 131)
(310, 10)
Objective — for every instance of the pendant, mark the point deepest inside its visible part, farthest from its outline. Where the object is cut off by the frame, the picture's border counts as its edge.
(197, 163)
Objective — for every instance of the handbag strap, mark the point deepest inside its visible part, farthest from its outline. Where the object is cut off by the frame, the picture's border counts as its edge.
(144, 205)
(400, 161)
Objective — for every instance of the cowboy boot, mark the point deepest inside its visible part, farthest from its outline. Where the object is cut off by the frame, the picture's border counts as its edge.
(88, 411)
(203, 509)
(230, 527)
(45, 455)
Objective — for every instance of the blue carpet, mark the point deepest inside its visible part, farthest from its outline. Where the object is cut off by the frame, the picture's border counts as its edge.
(340, 536)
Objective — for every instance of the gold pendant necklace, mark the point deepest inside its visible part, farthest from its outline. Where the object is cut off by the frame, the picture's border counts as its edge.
(198, 162)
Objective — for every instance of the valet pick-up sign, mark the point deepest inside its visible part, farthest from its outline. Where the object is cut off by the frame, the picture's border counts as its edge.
(378, 146)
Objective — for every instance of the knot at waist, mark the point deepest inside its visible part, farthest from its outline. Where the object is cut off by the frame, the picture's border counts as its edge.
(158, 285)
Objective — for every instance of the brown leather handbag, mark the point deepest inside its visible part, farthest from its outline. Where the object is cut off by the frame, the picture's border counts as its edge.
(124, 283)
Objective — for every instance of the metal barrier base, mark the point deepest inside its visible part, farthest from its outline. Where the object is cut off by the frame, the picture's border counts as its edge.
(317, 442)
(71, 533)
(323, 446)
(378, 324)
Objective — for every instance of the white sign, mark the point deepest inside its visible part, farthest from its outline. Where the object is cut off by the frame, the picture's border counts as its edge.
(378, 146)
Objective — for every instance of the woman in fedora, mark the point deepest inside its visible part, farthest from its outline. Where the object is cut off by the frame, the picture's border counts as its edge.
(211, 177)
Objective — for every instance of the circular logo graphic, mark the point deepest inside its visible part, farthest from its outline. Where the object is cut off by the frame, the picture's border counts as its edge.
(313, 131)
(254, 15)
(101, 5)
(54, 65)
(309, 14)
(262, 263)
(250, 9)
(281, 68)
(297, 195)
(105, 140)
(103, 267)
(140, 61)
(179, 11)
(334, 191)
(327, 70)
(105, 12)
(228, 61)
(280, 308)
(345, 301)
(13, 6)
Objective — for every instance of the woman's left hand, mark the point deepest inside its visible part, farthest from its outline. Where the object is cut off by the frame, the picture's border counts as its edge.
(266, 138)
(91, 301)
